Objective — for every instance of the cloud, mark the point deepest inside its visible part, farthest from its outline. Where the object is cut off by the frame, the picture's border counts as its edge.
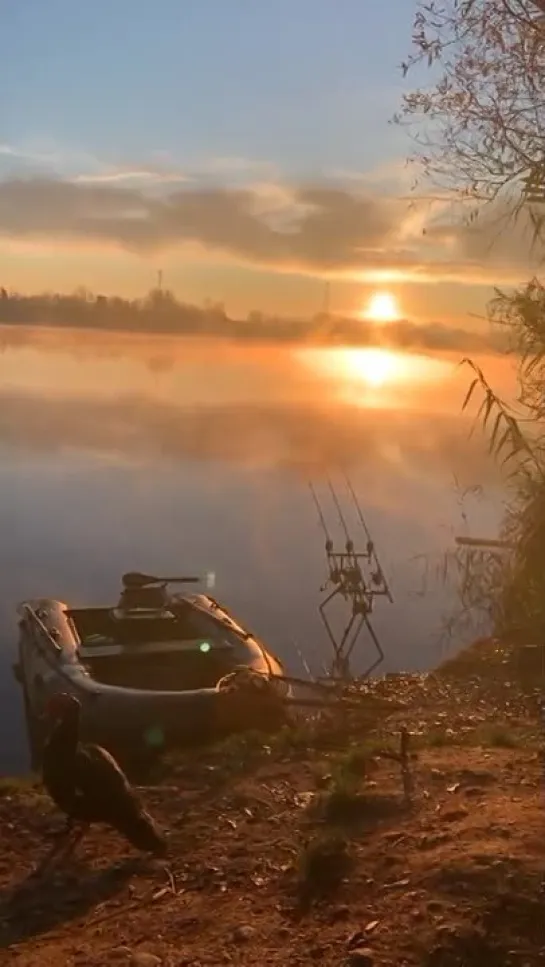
(43, 159)
(142, 176)
(316, 228)
(29, 156)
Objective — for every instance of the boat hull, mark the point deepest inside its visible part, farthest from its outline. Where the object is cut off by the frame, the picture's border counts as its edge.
(136, 724)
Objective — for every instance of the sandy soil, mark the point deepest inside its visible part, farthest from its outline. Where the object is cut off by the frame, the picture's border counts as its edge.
(298, 850)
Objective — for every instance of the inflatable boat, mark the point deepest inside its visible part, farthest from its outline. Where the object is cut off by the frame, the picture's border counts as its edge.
(154, 671)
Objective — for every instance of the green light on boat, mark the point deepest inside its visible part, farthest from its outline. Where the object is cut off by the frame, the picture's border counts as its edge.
(154, 737)
(205, 646)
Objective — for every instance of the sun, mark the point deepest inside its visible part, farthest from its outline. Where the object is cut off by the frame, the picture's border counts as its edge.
(382, 307)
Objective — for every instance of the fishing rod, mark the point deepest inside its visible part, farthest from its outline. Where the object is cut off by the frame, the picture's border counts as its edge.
(354, 575)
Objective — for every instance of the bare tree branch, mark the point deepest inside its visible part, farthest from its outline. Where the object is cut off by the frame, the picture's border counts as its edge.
(481, 127)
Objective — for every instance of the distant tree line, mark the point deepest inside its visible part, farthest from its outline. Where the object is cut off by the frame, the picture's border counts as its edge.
(161, 312)
(158, 311)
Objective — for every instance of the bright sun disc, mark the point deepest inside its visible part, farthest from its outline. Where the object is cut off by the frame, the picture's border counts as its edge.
(382, 307)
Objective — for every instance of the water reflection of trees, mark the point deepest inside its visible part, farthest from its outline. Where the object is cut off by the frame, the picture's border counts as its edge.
(298, 439)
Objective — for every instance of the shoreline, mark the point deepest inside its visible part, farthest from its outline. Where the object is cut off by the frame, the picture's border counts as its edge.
(303, 848)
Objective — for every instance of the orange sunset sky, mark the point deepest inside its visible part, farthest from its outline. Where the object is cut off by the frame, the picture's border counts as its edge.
(246, 153)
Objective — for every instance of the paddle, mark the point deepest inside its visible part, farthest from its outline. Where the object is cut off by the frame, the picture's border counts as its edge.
(134, 579)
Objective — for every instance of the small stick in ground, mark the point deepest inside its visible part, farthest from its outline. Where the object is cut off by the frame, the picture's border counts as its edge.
(404, 758)
(406, 775)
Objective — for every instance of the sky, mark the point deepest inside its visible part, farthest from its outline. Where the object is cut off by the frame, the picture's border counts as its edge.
(245, 149)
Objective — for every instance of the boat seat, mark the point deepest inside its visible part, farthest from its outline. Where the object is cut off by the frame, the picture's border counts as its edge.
(152, 598)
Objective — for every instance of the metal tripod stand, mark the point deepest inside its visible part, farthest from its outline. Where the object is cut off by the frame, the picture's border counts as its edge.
(357, 577)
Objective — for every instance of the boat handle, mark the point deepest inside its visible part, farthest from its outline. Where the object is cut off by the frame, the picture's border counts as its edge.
(45, 631)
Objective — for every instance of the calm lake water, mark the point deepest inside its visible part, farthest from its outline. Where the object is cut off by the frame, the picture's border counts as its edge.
(122, 452)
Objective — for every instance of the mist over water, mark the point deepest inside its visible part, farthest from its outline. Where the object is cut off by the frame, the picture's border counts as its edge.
(120, 452)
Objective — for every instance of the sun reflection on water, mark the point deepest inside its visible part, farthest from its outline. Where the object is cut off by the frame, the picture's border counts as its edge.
(375, 376)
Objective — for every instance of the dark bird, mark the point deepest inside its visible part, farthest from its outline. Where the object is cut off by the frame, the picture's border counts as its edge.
(89, 786)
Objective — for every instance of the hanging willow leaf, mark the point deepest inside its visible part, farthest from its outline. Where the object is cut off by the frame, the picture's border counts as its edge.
(469, 395)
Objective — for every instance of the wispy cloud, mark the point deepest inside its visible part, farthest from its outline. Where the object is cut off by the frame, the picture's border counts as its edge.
(42, 158)
(161, 166)
(316, 227)
(26, 156)
(393, 177)
(142, 176)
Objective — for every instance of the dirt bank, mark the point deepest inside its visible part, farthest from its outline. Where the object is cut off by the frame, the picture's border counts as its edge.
(303, 849)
